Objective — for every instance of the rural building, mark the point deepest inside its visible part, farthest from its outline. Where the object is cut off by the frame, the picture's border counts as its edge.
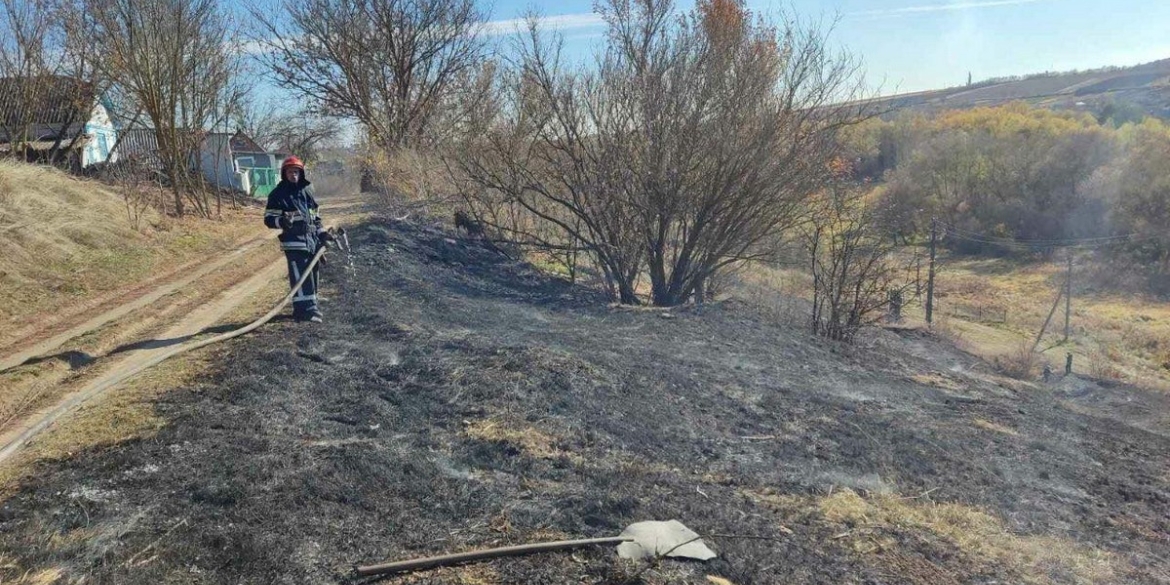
(228, 161)
(55, 120)
(262, 167)
(235, 161)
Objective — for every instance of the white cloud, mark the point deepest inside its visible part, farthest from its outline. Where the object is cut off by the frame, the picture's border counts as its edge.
(949, 7)
(559, 22)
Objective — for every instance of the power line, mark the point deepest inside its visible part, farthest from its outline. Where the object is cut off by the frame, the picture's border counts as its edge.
(1053, 242)
(1081, 243)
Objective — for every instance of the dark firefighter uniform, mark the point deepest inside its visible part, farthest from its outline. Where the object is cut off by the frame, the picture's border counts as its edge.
(292, 209)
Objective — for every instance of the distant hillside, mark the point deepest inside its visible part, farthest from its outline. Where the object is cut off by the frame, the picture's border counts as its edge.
(1143, 87)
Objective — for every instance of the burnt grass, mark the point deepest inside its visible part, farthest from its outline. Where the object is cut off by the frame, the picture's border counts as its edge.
(455, 399)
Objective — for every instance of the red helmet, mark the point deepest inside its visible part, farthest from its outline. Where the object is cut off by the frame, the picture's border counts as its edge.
(294, 162)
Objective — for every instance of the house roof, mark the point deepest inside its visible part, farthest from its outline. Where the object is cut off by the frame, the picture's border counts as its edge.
(243, 143)
(45, 99)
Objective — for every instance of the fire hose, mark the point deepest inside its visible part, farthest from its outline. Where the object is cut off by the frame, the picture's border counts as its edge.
(50, 417)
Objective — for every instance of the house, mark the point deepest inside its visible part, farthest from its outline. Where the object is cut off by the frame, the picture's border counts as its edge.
(228, 161)
(55, 119)
(261, 166)
(236, 162)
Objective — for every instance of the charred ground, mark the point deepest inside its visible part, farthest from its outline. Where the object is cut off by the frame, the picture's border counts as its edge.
(455, 399)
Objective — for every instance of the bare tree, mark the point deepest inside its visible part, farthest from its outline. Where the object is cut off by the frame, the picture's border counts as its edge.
(275, 128)
(260, 121)
(48, 82)
(689, 148)
(393, 65)
(856, 270)
(178, 61)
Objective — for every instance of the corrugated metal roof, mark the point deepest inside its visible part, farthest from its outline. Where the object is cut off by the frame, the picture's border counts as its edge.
(45, 99)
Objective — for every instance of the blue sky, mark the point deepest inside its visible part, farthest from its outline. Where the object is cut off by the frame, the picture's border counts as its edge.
(911, 45)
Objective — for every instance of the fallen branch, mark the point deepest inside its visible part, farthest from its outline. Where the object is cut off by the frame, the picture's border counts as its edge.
(479, 555)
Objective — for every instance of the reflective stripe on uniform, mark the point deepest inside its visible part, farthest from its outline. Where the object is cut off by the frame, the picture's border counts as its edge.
(294, 246)
(273, 212)
(296, 274)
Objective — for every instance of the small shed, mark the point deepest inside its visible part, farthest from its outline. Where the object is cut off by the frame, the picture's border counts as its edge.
(261, 166)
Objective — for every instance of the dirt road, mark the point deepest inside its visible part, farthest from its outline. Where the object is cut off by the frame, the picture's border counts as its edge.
(105, 316)
(186, 311)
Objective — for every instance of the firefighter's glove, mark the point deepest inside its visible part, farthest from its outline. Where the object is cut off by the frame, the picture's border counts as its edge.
(286, 222)
(326, 237)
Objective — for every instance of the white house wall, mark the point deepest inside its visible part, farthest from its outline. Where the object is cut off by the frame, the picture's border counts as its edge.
(101, 128)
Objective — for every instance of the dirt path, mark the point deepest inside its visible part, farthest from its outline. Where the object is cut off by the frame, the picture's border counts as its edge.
(109, 315)
(240, 278)
(188, 327)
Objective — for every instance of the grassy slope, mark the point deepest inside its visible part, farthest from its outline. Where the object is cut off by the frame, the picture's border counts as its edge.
(994, 308)
(68, 239)
(1113, 335)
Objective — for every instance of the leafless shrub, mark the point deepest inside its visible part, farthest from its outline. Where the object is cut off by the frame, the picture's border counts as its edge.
(1021, 363)
(1102, 366)
(5, 199)
(695, 141)
(853, 263)
(412, 181)
(140, 187)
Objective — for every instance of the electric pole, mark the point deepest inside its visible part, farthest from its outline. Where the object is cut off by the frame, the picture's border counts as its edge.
(930, 273)
(1068, 294)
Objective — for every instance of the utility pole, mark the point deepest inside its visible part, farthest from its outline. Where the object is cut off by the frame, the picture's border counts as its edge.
(1044, 327)
(930, 273)
(917, 276)
(1068, 294)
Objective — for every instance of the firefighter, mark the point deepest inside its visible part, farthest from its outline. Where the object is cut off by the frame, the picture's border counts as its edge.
(292, 209)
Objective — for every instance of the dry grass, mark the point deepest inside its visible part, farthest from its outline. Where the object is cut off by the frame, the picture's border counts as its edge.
(121, 415)
(1038, 559)
(995, 428)
(870, 527)
(530, 440)
(1113, 336)
(69, 238)
(42, 577)
(937, 380)
(464, 575)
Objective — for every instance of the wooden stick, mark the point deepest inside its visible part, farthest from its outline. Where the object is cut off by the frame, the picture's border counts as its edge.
(479, 555)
